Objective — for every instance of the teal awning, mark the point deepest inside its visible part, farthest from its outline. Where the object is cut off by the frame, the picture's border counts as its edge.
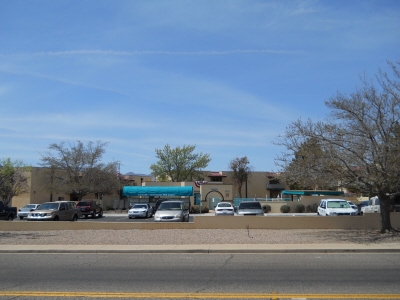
(157, 191)
(312, 193)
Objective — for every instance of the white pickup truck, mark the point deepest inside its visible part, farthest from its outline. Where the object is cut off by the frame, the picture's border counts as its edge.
(372, 207)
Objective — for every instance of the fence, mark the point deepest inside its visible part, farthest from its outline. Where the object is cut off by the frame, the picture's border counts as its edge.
(237, 201)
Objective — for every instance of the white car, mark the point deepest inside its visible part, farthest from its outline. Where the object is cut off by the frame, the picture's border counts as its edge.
(24, 211)
(353, 206)
(335, 207)
(140, 210)
(224, 209)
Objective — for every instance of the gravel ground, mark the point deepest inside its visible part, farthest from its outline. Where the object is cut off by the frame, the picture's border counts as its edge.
(195, 236)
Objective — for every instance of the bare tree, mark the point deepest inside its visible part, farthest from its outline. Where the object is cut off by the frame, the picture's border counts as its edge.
(78, 170)
(241, 171)
(359, 141)
(13, 179)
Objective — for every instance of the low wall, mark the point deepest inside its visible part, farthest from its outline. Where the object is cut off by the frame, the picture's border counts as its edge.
(368, 221)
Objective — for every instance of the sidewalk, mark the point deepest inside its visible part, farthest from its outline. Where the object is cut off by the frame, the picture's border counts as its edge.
(216, 248)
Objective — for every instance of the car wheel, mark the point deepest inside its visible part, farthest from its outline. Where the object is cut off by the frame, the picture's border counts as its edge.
(21, 218)
(75, 218)
(101, 214)
(187, 220)
(56, 218)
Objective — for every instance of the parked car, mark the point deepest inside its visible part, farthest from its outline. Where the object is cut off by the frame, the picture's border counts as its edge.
(372, 207)
(361, 205)
(157, 204)
(335, 207)
(224, 209)
(142, 210)
(250, 208)
(353, 206)
(56, 211)
(172, 211)
(7, 212)
(24, 211)
(90, 208)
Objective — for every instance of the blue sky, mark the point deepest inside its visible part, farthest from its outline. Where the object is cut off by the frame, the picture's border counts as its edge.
(227, 76)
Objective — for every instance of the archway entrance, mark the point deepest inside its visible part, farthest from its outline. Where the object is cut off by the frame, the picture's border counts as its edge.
(213, 201)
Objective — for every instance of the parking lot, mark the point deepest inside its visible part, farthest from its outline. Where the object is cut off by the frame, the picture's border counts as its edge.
(123, 217)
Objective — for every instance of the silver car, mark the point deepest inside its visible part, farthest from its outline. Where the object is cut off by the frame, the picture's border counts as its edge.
(24, 211)
(250, 208)
(172, 211)
(56, 211)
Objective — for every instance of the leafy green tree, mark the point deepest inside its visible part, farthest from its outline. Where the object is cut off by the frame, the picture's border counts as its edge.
(359, 141)
(241, 171)
(78, 170)
(179, 164)
(13, 179)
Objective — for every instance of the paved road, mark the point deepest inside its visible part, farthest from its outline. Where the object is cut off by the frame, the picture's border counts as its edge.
(198, 275)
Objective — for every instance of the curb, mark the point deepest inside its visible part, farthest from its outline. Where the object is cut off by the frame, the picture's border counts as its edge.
(204, 249)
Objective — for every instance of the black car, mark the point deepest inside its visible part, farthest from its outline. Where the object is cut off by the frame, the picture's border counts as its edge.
(362, 204)
(159, 201)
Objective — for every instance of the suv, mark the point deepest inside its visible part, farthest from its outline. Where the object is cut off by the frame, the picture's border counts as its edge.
(250, 208)
(90, 207)
(56, 211)
(335, 207)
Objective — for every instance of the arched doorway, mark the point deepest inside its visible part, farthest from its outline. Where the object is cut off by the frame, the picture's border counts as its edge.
(213, 201)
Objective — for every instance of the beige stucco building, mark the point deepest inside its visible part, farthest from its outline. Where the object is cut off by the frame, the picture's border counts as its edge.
(214, 187)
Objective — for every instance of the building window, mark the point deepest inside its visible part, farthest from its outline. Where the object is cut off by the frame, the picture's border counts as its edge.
(219, 179)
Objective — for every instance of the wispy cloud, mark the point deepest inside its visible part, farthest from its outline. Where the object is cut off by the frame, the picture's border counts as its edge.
(153, 52)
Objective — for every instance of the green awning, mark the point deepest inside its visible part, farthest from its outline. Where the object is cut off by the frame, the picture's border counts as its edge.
(313, 193)
(157, 191)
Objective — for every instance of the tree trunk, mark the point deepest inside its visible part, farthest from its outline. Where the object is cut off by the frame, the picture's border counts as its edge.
(384, 202)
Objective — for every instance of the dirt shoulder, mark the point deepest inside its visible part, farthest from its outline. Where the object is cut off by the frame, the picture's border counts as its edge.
(195, 236)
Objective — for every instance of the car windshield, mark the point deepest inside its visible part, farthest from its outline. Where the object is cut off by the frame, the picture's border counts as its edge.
(140, 206)
(49, 206)
(170, 206)
(224, 205)
(338, 204)
(250, 205)
(83, 203)
(30, 206)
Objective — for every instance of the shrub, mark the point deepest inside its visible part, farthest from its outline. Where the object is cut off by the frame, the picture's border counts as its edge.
(285, 208)
(195, 209)
(312, 208)
(299, 208)
(266, 208)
